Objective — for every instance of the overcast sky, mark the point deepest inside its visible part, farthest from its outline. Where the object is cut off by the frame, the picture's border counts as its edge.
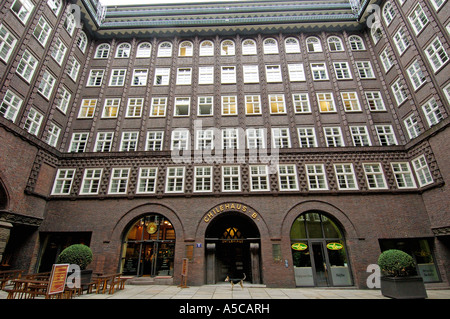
(128, 2)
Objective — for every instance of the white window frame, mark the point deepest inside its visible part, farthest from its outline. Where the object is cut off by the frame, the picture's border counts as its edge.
(316, 176)
(301, 103)
(229, 107)
(403, 175)
(319, 71)
(231, 178)
(256, 138)
(386, 135)
(158, 107)
(345, 176)
(296, 72)
(27, 66)
(281, 137)
(333, 136)
(273, 74)
(118, 183)
(162, 76)
(129, 141)
(360, 136)
(78, 142)
(184, 76)
(432, 112)
(374, 176)
(436, 54)
(104, 142)
(117, 77)
(203, 179)
(63, 181)
(155, 140)
(175, 179)
(91, 181)
(7, 43)
(228, 74)
(422, 171)
(203, 103)
(259, 178)
(10, 106)
(206, 75)
(134, 107)
(307, 137)
(180, 139)
(147, 180)
(33, 121)
(287, 177)
(251, 73)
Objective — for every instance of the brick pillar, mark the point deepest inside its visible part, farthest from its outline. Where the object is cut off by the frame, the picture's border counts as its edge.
(5, 229)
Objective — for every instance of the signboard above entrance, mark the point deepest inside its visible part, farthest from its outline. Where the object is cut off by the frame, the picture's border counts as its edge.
(299, 246)
(229, 207)
(335, 246)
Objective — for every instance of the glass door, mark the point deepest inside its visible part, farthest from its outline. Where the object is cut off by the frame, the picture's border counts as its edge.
(320, 264)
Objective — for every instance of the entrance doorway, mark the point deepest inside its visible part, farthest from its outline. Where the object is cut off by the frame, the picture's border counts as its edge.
(319, 252)
(149, 247)
(232, 249)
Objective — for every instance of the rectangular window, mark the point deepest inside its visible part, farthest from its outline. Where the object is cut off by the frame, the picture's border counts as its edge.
(22, 9)
(386, 60)
(345, 176)
(95, 78)
(117, 77)
(307, 137)
(403, 175)
(287, 177)
(229, 105)
(87, 108)
(158, 108)
(375, 101)
(251, 74)
(374, 175)
(432, 112)
(418, 19)
(296, 72)
(277, 104)
(252, 104)
(259, 178)
(437, 56)
(162, 76)
(205, 139)
(74, 68)
(111, 108)
(231, 179)
(273, 73)
(63, 182)
(175, 180)
(205, 105)
(342, 70)
(64, 99)
(184, 76)
(139, 77)
(416, 75)
(301, 103)
(365, 70)
(27, 65)
(42, 31)
(78, 142)
(280, 138)
(203, 179)
(180, 139)
(317, 179)
(119, 181)
(104, 142)
(401, 40)
(33, 122)
(230, 138)
(10, 106)
(91, 181)
(399, 92)
(147, 180)
(53, 134)
(326, 102)
(154, 141)
(206, 75)
(134, 107)
(182, 106)
(255, 138)
(360, 136)
(228, 74)
(386, 135)
(412, 126)
(129, 141)
(319, 71)
(7, 43)
(333, 136)
(350, 101)
(422, 171)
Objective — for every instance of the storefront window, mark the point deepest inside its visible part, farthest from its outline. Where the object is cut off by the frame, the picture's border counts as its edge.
(149, 247)
(319, 252)
(422, 252)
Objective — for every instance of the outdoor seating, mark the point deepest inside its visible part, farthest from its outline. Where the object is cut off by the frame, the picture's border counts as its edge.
(7, 275)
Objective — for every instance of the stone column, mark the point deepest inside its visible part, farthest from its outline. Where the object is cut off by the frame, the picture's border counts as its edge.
(5, 229)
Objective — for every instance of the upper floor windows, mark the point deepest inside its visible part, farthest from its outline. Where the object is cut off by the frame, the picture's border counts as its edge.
(165, 49)
(82, 41)
(69, 24)
(313, 44)
(22, 9)
(186, 48)
(206, 48)
(144, 50)
(335, 44)
(356, 43)
(7, 43)
(123, 50)
(388, 13)
(270, 46)
(227, 48)
(291, 45)
(102, 51)
(55, 5)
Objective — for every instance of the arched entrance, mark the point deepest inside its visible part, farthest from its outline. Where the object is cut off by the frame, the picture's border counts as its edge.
(319, 251)
(149, 247)
(232, 248)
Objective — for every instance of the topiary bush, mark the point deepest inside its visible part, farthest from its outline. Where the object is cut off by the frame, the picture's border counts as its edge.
(396, 263)
(78, 254)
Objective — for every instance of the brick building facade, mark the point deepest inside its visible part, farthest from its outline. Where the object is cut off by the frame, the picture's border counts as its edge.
(290, 141)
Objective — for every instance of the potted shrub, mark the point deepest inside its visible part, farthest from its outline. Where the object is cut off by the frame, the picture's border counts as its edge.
(80, 255)
(399, 279)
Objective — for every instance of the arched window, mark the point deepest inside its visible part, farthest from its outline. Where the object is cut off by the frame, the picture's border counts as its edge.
(319, 251)
(335, 44)
(356, 43)
(186, 48)
(376, 33)
(207, 48)
(291, 45)
(123, 50)
(144, 50)
(227, 47)
(270, 46)
(69, 23)
(248, 47)
(313, 44)
(165, 49)
(82, 41)
(102, 51)
(388, 13)
(149, 247)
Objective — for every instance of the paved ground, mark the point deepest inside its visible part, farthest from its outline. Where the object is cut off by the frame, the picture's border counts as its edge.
(223, 291)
